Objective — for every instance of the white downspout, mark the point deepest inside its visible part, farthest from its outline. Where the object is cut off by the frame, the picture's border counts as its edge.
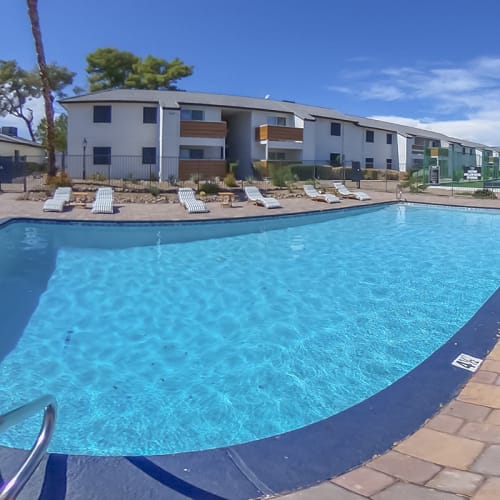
(160, 147)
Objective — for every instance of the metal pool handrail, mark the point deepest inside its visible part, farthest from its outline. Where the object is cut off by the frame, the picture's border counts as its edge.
(48, 403)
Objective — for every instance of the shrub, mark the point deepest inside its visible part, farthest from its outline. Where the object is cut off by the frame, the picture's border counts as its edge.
(98, 177)
(230, 180)
(233, 167)
(370, 174)
(341, 172)
(392, 175)
(259, 170)
(154, 190)
(412, 181)
(61, 179)
(484, 194)
(325, 172)
(210, 188)
(281, 176)
(302, 172)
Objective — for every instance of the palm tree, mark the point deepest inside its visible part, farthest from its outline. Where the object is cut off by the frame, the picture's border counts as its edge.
(44, 78)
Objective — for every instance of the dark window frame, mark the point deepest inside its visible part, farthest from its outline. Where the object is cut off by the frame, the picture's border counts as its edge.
(336, 129)
(101, 155)
(149, 155)
(389, 138)
(102, 113)
(149, 114)
(369, 162)
(370, 136)
(336, 159)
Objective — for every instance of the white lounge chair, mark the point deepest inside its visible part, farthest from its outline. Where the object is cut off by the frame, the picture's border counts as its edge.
(254, 195)
(317, 196)
(55, 204)
(346, 193)
(62, 195)
(103, 203)
(64, 192)
(189, 201)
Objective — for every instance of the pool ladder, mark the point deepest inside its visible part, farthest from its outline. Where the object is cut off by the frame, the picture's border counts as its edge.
(10, 489)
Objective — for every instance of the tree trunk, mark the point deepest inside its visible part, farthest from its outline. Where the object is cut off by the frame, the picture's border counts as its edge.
(44, 77)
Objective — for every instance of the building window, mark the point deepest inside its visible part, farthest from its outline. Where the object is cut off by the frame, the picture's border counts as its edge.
(370, 136)
(335, 128)
(435, 144)
(388, 164)
(148, 156)
(389, 138)
(277, 156)
(192, 114)
(191, 154)
(369, 162)
(102, 156)
(335, 159)
(102, 114)
(149, 115)
(279, 121)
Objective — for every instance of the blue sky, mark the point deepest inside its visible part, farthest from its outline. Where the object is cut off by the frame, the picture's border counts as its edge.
(432, 64)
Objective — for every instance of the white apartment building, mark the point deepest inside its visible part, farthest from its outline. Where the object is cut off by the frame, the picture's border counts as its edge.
(137, 133)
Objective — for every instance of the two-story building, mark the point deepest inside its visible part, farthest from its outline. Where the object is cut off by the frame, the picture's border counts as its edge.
(173, 134)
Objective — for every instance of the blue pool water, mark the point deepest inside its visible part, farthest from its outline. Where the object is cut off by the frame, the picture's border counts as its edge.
(174, 337)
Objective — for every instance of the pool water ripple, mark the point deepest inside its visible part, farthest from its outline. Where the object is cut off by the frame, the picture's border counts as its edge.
(164, 348)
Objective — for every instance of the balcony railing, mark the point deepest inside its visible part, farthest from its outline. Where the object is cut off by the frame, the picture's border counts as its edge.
(275, 133)
(214, 130)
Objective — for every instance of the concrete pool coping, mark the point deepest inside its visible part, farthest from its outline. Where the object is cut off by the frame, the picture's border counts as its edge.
(291, 461)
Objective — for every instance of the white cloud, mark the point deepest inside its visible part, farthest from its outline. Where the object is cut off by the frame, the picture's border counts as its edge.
(468, 94)
(482, 128)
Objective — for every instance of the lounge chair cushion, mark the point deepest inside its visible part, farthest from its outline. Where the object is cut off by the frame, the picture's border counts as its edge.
(346, 193)
(64, 192)
(55, 204)
(188, 200)
(102, 205)
(317, 196)
(253, 194)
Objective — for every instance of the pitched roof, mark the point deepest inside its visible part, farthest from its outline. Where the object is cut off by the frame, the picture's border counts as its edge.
(174, 99)
(19, 140)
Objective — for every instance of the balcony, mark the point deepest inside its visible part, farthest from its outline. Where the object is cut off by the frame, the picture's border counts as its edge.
(275, 133)
(210, 130)
(206, 169)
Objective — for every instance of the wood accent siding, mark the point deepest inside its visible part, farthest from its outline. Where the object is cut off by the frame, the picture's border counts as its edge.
(205, 168)
(275, 133)
(203, 129)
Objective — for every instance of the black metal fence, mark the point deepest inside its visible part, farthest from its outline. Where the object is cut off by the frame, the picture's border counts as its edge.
(25, 173)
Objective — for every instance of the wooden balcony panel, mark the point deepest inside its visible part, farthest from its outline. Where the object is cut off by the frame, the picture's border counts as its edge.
(203, 129)
(275, 133)
(205, 168)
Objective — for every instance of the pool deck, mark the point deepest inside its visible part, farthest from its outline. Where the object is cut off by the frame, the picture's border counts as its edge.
(453, 455)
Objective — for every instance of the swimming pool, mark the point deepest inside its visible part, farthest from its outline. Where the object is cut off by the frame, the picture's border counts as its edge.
(246, 324)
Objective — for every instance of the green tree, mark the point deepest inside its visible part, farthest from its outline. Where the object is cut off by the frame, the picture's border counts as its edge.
(154, 73)
(60, 132)
(60, 135)
(110, 68)
(19, 86)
